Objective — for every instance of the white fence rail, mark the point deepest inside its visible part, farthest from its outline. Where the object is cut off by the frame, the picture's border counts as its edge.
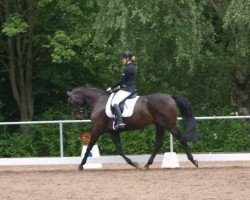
(61, 122)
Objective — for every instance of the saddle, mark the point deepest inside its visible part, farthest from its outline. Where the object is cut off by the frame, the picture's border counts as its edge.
(126, 106)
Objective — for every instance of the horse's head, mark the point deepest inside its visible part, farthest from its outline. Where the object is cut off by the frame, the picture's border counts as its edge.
(86, 96)
(78, 104)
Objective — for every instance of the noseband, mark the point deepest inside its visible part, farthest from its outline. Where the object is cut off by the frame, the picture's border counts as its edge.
(78, 105)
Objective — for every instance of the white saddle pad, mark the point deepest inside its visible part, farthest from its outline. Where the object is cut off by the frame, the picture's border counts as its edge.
(128, 107)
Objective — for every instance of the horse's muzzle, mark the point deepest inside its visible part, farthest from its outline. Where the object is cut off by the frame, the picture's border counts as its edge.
(79, 117)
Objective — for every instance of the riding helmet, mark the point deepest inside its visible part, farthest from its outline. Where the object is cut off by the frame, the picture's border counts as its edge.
(127, 54)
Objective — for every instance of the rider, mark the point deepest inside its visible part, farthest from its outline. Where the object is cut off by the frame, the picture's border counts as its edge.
(126, 86)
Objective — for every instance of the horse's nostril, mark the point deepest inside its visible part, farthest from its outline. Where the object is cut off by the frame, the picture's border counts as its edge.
(79, 117)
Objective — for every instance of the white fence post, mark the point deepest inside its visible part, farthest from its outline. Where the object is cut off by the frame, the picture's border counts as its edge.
(61, 138)
(171, 143)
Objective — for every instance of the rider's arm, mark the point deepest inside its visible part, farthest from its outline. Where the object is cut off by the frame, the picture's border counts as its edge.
(122, 80)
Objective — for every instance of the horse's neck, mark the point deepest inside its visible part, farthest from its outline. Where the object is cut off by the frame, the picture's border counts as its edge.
(92, 98)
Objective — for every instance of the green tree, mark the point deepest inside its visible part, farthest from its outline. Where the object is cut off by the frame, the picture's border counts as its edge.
(232, 35)
(40, 40)
(181, 43)
(18, 31)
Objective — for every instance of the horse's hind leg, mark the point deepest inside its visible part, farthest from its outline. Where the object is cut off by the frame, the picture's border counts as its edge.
(184, 143)
(158, 144)
(117, 140)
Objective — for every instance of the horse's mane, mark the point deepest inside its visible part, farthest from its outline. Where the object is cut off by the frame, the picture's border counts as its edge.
(91, 89)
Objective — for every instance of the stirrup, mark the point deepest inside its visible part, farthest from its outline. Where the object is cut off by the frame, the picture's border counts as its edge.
(118, 126)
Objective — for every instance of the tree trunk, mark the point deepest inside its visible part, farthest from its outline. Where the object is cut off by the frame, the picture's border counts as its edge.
(20, 55)
(243, 100)
(29, 62)
(241, 75)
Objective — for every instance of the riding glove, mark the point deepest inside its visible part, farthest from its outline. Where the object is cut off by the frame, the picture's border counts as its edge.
(109, 89)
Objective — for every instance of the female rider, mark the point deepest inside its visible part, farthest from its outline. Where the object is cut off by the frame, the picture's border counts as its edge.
(126, 85)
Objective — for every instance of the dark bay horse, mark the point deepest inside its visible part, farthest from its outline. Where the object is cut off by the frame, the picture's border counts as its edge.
(159, 109)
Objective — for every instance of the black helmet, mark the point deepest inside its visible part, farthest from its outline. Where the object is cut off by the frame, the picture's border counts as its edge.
(127, 54)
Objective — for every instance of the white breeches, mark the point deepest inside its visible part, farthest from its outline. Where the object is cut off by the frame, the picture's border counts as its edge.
(119, 97)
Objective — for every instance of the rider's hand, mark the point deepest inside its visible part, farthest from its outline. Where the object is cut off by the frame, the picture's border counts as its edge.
(109, 89)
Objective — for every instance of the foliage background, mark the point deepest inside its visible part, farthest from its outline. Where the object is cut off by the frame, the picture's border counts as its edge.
(196, 49)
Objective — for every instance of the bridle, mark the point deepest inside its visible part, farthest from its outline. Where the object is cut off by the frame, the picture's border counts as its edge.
(79, 106)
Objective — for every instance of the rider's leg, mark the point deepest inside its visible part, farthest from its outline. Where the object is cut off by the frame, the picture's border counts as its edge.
(119, 123)
(119, 97)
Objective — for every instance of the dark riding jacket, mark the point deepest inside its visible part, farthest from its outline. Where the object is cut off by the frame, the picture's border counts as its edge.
(127, 80)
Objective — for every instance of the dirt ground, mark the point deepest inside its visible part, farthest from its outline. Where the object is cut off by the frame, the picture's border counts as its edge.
(212, 180)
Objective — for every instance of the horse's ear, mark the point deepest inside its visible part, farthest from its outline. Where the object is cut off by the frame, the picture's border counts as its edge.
(69, 93)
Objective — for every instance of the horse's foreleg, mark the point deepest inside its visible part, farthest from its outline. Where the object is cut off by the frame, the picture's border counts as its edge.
(117, 141)
(158, 144)
(92, 142)
(184, 143)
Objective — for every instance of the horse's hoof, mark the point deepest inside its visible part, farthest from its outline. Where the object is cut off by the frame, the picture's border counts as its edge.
(145, 168)
(80, 167)
(196, 164)
(136, 165)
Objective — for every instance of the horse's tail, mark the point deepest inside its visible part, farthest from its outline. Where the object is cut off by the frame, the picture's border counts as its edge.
(188, 118)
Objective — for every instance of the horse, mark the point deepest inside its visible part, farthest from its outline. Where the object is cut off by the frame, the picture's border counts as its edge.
(159, 109)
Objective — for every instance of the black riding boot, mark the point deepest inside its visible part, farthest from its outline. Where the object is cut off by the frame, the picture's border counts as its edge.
(119, 124)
